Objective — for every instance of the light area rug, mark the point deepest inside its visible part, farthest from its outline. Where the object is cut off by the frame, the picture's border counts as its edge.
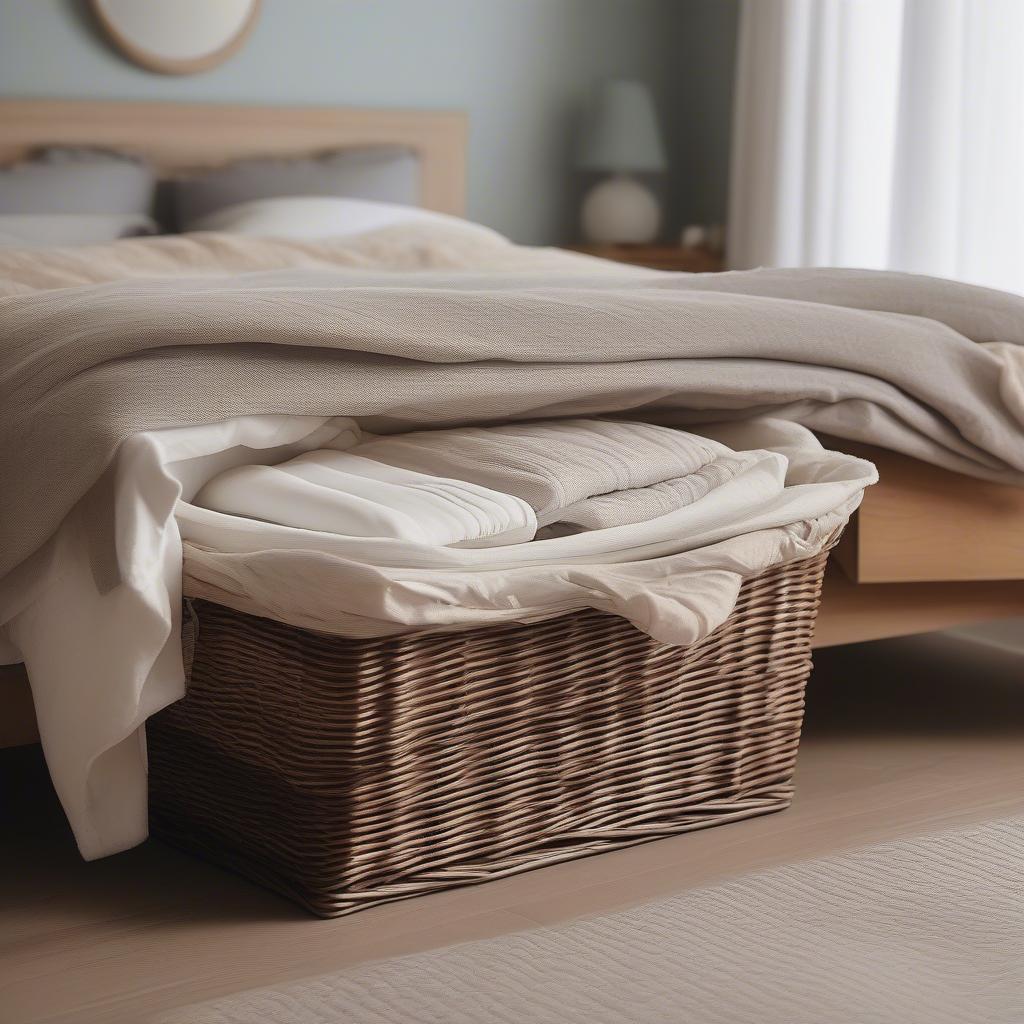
(927, 930)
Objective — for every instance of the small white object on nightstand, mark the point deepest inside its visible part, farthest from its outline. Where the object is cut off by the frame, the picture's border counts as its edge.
(622, 138)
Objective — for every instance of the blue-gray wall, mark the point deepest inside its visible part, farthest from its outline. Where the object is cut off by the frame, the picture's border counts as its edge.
(521, 68)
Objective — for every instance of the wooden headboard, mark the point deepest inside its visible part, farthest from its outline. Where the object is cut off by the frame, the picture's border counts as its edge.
(177, 137)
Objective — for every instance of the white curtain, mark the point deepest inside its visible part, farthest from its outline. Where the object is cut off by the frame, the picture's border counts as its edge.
(881, 133)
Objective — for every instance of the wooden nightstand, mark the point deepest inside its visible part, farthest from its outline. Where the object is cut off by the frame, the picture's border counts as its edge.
(658, 257)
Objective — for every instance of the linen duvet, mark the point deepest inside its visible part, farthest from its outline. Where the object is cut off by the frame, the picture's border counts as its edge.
(134, 375)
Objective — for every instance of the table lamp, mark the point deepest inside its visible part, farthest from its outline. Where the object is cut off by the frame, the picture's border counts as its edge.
(622, 138)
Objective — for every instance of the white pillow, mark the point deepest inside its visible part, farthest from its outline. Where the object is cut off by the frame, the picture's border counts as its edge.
(314, 217)
(39, 230)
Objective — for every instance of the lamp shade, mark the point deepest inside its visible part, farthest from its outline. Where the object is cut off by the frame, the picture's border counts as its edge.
(622, 133)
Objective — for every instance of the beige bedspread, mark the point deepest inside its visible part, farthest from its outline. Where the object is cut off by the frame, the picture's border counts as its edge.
(101, 343)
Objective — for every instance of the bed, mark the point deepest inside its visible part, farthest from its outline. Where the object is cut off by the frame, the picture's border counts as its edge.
(929, 548)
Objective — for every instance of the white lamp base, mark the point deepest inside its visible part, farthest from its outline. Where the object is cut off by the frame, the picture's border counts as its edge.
(621, 210)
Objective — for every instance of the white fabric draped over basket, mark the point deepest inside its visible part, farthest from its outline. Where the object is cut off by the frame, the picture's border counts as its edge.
(675, 576)
(882, 134)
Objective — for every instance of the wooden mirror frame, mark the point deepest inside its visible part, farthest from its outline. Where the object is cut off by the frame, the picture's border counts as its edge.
(170, 65)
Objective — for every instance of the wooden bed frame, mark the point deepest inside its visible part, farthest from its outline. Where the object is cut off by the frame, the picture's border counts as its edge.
(929, 549)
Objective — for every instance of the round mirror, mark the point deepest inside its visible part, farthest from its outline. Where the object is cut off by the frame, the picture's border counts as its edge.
(177, 37)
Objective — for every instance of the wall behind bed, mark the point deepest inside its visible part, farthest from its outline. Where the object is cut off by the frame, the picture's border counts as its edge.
(520, 68)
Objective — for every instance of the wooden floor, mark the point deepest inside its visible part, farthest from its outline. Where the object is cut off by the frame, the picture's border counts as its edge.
(902, 736)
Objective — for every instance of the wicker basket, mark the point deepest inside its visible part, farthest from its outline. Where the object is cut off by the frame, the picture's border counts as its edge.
(348, 773)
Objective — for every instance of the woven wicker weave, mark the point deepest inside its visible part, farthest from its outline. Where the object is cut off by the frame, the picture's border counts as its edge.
(347, 773)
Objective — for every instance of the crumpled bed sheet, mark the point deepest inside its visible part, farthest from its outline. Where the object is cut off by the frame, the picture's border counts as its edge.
(673, 568)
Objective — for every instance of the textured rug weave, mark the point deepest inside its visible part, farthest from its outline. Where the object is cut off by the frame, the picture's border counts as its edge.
(927, 930)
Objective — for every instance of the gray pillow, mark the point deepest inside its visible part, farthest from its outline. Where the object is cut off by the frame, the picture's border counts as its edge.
(39, 230)
(84, 181)
(388, 174)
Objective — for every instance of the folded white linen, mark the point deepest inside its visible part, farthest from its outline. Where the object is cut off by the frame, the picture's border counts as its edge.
(555, 465)
(336, 492)
(482, 486)
(102, 659)
(637, 504)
